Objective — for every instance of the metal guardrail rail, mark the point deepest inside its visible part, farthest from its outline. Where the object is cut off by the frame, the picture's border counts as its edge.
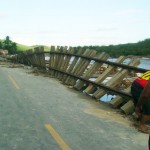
(126, 95)
(103, 61)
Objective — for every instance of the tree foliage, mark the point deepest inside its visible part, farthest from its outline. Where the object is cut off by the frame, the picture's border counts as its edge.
(1, 45)
(141, 48)
(7, 44)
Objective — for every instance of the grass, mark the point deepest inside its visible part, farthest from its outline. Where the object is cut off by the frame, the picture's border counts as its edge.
(21, 47)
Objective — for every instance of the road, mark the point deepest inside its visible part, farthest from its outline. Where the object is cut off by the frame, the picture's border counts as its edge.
(39, 113)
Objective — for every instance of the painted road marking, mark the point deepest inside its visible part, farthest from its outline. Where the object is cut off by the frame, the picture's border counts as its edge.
(14, 82)
(57, 137)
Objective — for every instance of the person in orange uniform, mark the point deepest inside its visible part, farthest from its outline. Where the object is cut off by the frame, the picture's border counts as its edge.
(140, 90)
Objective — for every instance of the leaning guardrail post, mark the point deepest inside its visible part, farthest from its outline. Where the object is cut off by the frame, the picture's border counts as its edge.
(55, 61)
(104, 75)
(37, 56)
(61, 60)
(76, 66)
(118, 100)
(71, 67)
(52, 59)
(83, 66)
(42, 57)
(88, 74)
(29, 55)
(116, 79)
(128, 108)
(65, 63)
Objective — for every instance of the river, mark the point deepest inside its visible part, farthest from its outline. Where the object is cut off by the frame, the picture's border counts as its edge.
(144, 63)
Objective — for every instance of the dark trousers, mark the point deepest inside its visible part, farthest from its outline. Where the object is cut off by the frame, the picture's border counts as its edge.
(136, 90)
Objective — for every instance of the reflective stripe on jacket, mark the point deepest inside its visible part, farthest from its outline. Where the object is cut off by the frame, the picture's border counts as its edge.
(143, 79)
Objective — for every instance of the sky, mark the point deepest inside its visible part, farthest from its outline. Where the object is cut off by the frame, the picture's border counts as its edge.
(75, 22)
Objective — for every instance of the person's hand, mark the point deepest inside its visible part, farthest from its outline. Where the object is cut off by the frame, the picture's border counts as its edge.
(138, 111)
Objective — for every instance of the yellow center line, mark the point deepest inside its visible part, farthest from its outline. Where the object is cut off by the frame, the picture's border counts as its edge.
(14, 82)
(56, 136)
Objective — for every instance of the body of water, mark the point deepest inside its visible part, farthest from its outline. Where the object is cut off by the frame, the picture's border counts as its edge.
(145, 63)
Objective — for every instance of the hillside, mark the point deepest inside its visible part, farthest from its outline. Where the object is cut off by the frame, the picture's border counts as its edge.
(141, 48)
(21, 47)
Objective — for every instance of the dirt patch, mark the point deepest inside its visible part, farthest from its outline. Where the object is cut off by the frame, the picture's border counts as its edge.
(114, 116)
(103, 110)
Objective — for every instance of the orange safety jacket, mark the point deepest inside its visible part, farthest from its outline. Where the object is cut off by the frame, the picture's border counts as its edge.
(143, 79)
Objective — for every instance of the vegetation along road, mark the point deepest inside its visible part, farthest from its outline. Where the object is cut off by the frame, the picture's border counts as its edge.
(39, 113)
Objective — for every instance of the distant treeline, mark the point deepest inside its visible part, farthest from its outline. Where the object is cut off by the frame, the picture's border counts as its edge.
(141, 48)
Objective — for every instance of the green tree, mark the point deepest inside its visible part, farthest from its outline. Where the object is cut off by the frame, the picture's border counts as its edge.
(141, 48)
(9, 45)
(7, 41)
(14, 47)
(1, 45)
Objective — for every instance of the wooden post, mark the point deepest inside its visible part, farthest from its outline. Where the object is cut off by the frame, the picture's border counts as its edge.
(88, 74)
(82, 66)
(128, 108)
(103, 76)
(118, 77)
(55, 62)
(25, 58)
(52, 59)
(29, 56)
(42, 57)
(66, 61)
(36, 57)
(118, 100)
(71, 66)
(61, 60)
(77, 65)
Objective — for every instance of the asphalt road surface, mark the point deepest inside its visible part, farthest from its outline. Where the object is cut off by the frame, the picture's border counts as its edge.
(39, 113)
